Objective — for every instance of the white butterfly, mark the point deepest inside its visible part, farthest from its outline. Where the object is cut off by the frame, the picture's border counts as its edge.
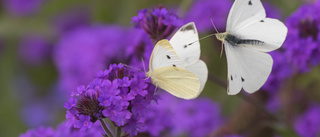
(175, 66)
(248, 37)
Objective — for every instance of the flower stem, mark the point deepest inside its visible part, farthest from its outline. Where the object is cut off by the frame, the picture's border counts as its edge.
(257, 104)
(105, 128)
(118, 131)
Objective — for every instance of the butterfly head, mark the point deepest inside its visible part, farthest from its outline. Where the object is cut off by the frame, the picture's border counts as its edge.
(221, 36)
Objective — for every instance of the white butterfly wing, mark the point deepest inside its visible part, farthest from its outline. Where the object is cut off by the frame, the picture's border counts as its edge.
(186, 44)
(163, 55)
(270, 31)
(254, 67)
(244, 13)
(177, 81)
(169, 73)
(201, 71)
(234, 73)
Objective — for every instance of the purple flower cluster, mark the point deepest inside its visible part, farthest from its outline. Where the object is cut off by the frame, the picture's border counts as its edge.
(159, 23)
(302, 43)
(63, 131)
(197, 117)
(120, 93)
(308, 124)
(82, 52)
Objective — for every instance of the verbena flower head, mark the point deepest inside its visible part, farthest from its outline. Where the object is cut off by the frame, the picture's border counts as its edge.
(308, 124)
(303, 39)
(159, 23)
(120, 93)
(82, 52)
(201, 11)
(197, 117)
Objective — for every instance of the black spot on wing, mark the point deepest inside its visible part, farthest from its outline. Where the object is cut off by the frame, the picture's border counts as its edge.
(188, 28)
(261, 20)
(231, 78)
(242, 79)
(174, 65)
(168, 57)
(250, 3)
(185, 46)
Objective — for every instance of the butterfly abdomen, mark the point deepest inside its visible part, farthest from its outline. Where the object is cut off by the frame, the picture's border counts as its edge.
(234, 41)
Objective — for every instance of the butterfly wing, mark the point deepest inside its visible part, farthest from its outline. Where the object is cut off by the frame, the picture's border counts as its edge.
(163, 55)
(270, 31)
(186, 44)
(201, 71)
(177, 81)
(247, 67)
(234, 73)
(244, 13)
(169, 73)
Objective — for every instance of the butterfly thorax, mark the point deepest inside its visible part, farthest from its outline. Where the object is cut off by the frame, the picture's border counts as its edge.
(235, 40)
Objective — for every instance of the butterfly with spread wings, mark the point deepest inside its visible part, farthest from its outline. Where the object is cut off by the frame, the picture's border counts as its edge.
(248, 37)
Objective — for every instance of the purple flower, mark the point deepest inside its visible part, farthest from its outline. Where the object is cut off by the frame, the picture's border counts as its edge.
(84, 51)
(197, 117)
(40, 132)
(301, 46)
(158, 23)
(71, 19)
(63, 131)
(23, 7)
(34, 50)
(281, 70)
(140, 47)
(122, 94)
(233, 135)
(308, 124)
(201, 11)
(83, 123)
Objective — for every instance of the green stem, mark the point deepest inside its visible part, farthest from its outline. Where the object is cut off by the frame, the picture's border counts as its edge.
(105, 128)
(118, 131)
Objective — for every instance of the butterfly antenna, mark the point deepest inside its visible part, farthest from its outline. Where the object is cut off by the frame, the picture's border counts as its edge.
(130, 67)
(218, 33)
(213, 25)
(144, 67)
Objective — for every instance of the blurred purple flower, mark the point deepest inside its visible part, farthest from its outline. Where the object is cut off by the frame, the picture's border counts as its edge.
(302, 43)
(34, 50)
(122, 95)
(71, 20)
(84, 51)
(308, 124)
(22, 7)
(40, 132)
(63, 131)
(281, 70)
(158, 23)
(201, 11)
(140, 47)
(197, 117)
